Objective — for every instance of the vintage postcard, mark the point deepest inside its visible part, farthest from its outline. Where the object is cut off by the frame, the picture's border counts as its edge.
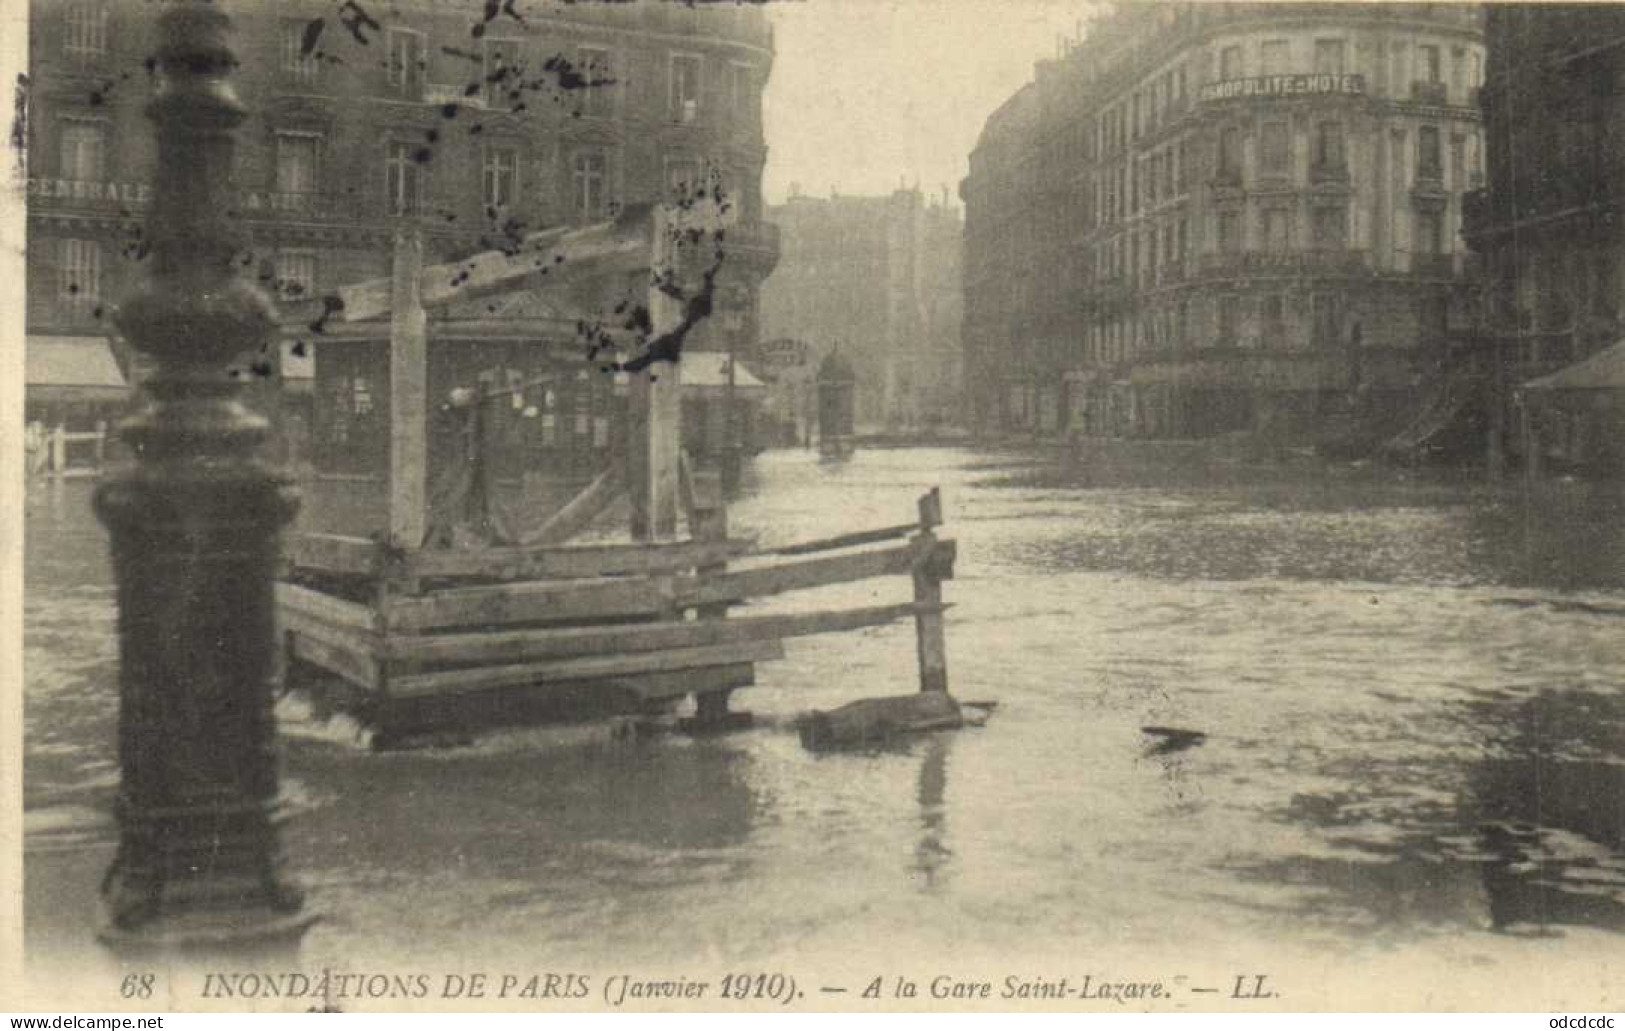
(835, 505)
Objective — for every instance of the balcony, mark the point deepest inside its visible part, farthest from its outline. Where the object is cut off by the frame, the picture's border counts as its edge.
(1433, 94)
(1286, 263)
(1433, 266)
(442, 94)
(1329, 174)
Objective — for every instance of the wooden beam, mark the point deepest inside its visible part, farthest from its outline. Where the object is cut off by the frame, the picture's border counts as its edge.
(316, 605)
(367, 641)
(593, 668)
(654, 397)
(356, 666)
(796, 576)
(846, 540)
(582, 509)
(572, 563)
(408, 397)
(534, 602)
(599, 249)
(334, 553)
(510, 646)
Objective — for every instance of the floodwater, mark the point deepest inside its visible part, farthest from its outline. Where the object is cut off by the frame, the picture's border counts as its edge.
(1413, 696)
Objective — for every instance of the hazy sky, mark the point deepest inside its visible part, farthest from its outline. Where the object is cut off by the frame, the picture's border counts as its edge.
(866, 91)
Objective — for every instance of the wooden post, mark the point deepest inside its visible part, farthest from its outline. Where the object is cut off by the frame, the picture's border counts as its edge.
(655, 414)
(930, 641)
(711, 713)
(59, 450)
(101, 442)
(408, 396)
(194, 519)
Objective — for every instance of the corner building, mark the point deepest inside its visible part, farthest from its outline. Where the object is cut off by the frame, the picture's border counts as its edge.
(1207, 218)
(468, 123)
(1549, 226)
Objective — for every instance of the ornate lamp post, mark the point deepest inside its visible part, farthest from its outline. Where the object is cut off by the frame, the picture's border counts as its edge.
(194, 520)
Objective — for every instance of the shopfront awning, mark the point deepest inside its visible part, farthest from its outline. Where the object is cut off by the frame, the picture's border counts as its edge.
(65, 368)
(1604, 370)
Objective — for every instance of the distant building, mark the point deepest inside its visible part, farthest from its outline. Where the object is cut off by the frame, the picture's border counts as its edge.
(1209, 217)
(879, 279)
(470, 127)
(1549, 224)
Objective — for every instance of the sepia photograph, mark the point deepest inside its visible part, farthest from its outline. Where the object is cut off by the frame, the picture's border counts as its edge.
(794, 506)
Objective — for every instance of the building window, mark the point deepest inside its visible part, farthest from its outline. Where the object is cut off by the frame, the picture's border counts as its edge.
(682, 179)
(79, 274)
(501, 178)
(597, 67)
(1229, 231)
(405, 62)
(502, 71)
(403, 185)
(362, 402)
(1275, 156)
(1276, 57)
(1229, 320)
(1230, 66)
(740, 91)
(1274, 319)
(1433, 319)
(82, 147)
(1327, 318)
(1329, 228)
(685, 88)
(1328, 57)
(1277, 228)
(85, 30)
(296, 63)
(296, 158)
(1429, 232)
(1429, 159)
(591, 181)
(1329, 155)
(1427, 63)
(295, 274)
(1230, 154)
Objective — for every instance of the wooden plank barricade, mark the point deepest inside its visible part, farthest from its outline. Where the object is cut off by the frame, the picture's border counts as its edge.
(527, 633)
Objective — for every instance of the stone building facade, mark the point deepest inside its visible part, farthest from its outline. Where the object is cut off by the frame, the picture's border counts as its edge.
(1549, 220)
(363, 118)
(879, 279)
(1215, 217)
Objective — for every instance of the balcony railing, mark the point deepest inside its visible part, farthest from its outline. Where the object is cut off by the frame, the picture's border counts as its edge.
(441, 94)
(1329, 172)
(1433, 93)
(1436, 265)
(1288, 262)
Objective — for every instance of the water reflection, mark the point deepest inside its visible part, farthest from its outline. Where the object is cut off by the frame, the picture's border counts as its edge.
(932, 855)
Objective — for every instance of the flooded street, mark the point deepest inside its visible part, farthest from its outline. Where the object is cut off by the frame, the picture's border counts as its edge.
(1413, 696)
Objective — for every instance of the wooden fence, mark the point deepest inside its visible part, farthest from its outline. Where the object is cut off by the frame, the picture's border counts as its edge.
(430, 639)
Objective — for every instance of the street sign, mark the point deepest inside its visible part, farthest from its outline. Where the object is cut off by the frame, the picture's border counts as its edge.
(783, 353)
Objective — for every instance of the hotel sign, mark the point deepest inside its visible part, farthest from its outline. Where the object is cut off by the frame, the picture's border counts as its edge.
(91, 190)
(1276, 87)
